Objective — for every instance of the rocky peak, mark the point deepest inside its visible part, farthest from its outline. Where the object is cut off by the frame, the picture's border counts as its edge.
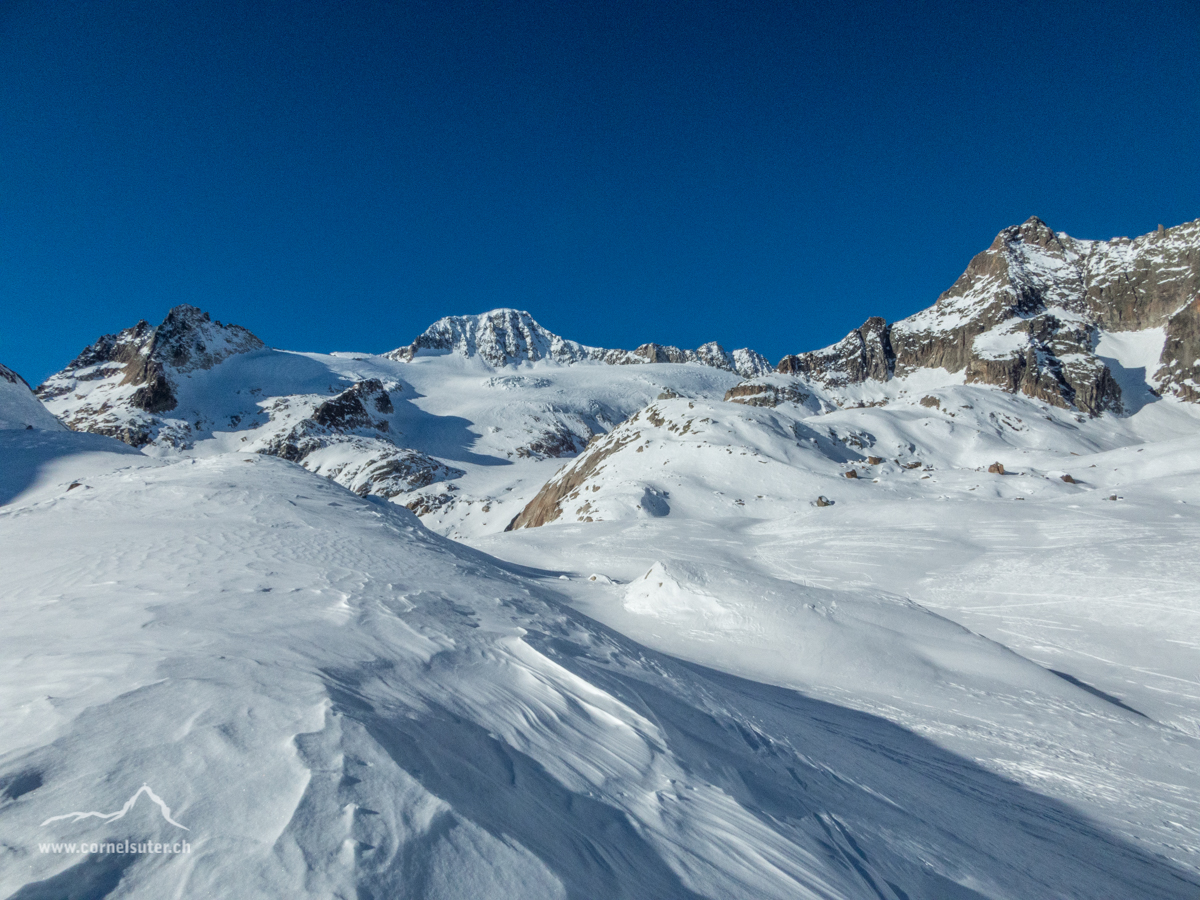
(148, 358)
(1026, 313)
(188, 340)
(500, 337)
(1032, 231)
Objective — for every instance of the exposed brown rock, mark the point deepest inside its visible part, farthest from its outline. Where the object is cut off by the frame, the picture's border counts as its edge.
(865, 353)
(547, 505)
(996, 468)
(823, 501)
(1068, 479)
(850, 474)
(760, 393)
(1179, 369)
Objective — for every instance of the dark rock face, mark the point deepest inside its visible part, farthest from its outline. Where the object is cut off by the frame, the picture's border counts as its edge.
(1179, 370)
(1025, 316)
(554, 443)
(763, 393)
(352, 407)
(865, 353)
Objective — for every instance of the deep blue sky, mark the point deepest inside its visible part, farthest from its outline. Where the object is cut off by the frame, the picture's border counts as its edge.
(339, 175)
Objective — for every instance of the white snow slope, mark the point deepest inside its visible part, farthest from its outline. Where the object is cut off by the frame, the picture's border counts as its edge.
(335, 702)
(692, 682)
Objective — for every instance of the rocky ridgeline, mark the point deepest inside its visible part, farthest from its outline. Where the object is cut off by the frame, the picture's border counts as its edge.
(508, 337)
(1026, 315)
(127, 385)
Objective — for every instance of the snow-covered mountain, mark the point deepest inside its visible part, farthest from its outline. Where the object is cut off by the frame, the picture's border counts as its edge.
(1031, 314)
(904, 618)
(509, 337)
(125, 383)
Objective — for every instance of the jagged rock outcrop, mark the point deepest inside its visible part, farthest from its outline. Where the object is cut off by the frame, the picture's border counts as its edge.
(344, 439)
(555, 442)
(865, 353)
(745, 362)
(121, 383)
(1026, 315)
(509, 337)
(763, 392)
(353, 407)
(333, 419)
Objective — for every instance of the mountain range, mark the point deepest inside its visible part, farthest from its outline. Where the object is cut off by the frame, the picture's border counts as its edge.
(496, 613)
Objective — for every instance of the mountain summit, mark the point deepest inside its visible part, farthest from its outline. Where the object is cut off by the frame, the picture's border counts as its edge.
(509, 337)
(1027, 315)
(139, 370)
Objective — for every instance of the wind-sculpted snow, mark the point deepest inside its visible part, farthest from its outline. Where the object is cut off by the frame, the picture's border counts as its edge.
(337, 702)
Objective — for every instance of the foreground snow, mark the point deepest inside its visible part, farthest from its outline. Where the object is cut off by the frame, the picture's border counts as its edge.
(334, 700)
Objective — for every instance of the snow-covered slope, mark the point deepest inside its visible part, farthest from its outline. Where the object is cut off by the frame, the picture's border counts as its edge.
(334, 702)
(19, 408)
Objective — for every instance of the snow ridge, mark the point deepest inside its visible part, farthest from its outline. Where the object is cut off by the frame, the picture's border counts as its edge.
(19, 408)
